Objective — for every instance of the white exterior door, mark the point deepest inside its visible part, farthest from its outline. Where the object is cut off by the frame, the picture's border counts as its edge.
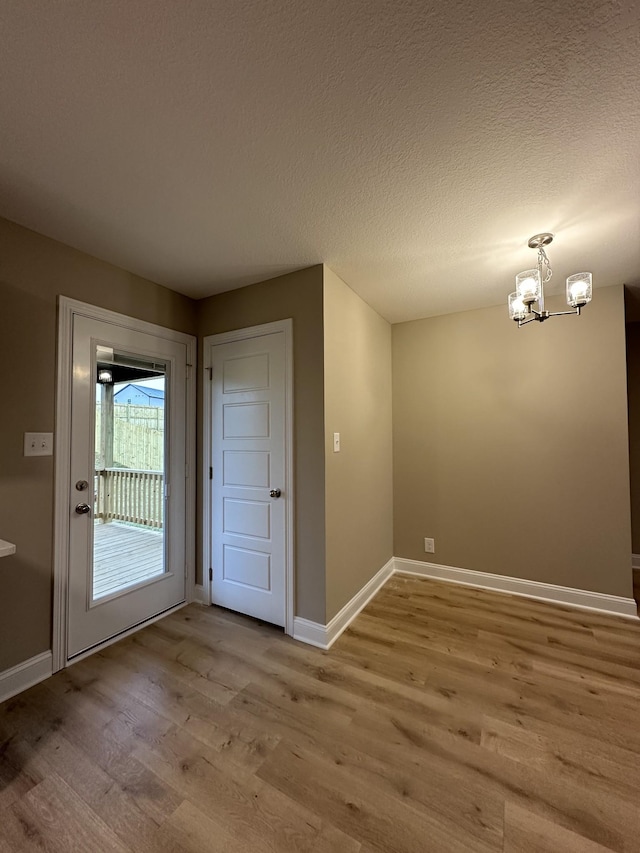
(248, 493)
(127, 538)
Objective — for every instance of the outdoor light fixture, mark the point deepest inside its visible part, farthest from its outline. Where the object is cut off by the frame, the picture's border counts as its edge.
(105, 377)
(530, 288)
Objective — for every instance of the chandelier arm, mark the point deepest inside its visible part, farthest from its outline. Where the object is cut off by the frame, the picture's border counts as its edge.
(564, 313)
(530, 320)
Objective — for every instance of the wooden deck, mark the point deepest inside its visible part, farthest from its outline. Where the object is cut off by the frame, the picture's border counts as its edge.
(125, 556)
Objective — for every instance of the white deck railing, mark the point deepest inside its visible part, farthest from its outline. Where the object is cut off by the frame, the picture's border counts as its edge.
(123, 494)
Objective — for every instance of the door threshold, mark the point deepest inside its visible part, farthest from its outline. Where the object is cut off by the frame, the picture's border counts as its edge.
(121, 636)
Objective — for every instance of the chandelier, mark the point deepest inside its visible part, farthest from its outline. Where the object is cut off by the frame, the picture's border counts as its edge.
(529, 291)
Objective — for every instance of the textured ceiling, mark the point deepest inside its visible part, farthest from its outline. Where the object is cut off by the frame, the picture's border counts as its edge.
(412, 146)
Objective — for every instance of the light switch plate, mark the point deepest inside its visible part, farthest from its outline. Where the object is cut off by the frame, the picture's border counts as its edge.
(38, 444)
(336, 442)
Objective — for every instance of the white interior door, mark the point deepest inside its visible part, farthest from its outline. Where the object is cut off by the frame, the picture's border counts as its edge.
(127, 501)
(248, 494)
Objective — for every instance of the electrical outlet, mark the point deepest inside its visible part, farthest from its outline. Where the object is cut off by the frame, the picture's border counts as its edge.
(38, 444)
(336, 442)
(430, 546)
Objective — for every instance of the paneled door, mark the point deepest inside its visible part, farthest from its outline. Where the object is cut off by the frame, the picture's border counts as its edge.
(128, 480)
(248, 493)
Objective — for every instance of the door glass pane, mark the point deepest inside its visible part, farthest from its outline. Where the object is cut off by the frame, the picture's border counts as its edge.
(130, 419)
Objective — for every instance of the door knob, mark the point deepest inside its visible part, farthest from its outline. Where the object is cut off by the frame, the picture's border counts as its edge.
(83, 509)
(275, 493)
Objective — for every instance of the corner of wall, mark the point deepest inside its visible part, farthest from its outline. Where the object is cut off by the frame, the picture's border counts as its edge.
(358, 477)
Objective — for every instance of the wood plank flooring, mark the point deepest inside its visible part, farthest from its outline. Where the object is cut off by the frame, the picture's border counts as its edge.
(444, 719)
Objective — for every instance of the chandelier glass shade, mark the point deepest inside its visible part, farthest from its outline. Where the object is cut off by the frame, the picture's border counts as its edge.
(517, 308)
(579, 289)
(526, 303)
(528, 286)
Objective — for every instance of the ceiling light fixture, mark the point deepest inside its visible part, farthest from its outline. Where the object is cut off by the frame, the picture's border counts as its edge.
(530, 288)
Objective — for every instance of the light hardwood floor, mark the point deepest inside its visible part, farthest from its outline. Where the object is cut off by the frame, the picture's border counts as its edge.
(445, 719)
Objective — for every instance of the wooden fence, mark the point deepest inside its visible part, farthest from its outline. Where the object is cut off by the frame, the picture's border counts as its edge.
(147, 416)
(138, 437)
(130, 495)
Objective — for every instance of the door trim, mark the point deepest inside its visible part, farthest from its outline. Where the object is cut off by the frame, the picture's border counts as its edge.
(67, 309)
(203, 591)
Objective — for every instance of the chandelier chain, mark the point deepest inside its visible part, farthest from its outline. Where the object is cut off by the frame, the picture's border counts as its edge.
(543, 260)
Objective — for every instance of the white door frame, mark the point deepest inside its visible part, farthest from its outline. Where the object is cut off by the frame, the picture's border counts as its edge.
(67, 309)
(203, 592)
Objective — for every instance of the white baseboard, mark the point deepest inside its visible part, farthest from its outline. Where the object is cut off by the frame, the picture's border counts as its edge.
(580, 598)
(635, 561)
(311, 633)
(324, 636)
(201, 594)
(25, 675)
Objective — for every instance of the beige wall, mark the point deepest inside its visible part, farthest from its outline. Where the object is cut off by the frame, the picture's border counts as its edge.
(515, 470)
(33, 271)
(358, 479)
(633, 385)
(463, 419)
(297, 295)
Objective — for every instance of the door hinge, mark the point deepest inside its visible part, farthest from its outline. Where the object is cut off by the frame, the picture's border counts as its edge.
(210, 370)
(211, 473)
(210, 575)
